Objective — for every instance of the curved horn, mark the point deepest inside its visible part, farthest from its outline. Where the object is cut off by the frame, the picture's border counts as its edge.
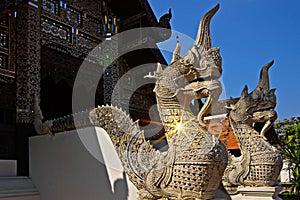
(264, 82)
(203, 36)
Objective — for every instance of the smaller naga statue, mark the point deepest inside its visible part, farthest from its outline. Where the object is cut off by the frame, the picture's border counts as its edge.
(260, 163)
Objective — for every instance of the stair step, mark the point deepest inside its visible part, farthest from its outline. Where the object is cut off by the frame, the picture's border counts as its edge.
(18, 188)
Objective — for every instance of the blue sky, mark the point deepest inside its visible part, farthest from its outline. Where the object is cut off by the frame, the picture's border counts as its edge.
(250, 33)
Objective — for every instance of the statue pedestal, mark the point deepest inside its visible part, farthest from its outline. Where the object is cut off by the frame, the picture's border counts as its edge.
(257, 193)
(78, 164)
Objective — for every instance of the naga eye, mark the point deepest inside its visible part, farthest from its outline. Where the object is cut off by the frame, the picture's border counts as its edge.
(256, 96)
(184, 69)
(270, 96)
(187, 61)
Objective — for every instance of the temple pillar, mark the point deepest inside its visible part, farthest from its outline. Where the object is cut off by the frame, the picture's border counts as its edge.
(28, 77)
(112, 69)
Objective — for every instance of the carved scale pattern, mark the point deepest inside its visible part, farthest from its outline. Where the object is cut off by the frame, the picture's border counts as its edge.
(200, 156)
(264, 161)
(137, 159)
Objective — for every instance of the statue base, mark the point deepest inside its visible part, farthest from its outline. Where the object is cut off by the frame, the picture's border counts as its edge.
(257, 193)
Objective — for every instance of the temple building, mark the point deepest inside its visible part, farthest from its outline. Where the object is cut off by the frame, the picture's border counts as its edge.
(42, 45)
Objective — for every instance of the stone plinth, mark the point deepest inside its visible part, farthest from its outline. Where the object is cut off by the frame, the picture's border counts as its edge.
(8, 168)
(78, 165)
(257, 193)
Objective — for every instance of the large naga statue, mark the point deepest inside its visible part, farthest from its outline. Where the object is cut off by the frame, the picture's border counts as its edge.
(193, 165)
(260, 163)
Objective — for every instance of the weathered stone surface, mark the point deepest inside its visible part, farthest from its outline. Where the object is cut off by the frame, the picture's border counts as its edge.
(260, 163)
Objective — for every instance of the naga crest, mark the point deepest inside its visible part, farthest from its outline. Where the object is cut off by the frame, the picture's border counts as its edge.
(196, 73)
(258, 106)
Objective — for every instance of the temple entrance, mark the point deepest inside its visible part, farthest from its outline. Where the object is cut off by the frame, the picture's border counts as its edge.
(56, 98)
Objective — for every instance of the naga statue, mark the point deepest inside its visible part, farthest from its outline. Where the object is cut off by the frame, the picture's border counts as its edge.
(192, 167)
(260, 163)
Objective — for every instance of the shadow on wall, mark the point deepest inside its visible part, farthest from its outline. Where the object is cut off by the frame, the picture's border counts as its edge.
(121, 188)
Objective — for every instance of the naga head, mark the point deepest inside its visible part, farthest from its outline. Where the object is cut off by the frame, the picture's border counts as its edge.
(196, 74)
(258, 106)
(202, 61)
(201, 66)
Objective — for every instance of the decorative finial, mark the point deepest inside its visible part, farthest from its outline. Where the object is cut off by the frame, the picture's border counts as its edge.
(176, 53)
(159, 68)
(157, 73)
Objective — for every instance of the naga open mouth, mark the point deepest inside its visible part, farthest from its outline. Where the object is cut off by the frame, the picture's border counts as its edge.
(197, 80)
(264, 119)
(210, 90)
(202, 88)
(271, 108)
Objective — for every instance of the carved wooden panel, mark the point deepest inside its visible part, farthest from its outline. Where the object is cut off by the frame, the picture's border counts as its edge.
(7, 46)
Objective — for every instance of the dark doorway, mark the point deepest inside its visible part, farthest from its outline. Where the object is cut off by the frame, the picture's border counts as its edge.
(56, 98)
